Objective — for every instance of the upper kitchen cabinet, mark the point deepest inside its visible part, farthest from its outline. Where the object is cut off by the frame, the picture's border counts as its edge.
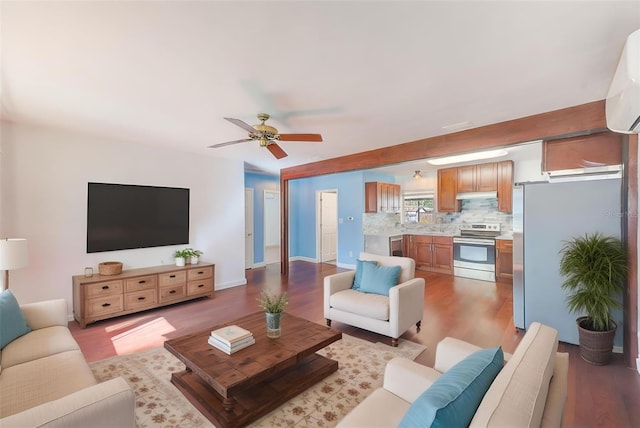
(478, 178)
(381, 197)
(447, 190)
(505, 186)
(601, 149)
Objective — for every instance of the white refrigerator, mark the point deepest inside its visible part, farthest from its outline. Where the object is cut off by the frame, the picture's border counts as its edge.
(545, 216)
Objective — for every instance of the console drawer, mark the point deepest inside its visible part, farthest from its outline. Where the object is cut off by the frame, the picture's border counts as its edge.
(106, 305)
(103, 288)
(172, 278)
(139, 299)
(172, 292)
(201, 273)
(140, 283)
(200, 287)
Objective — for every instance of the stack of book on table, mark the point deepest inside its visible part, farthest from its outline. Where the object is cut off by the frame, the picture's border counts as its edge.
(231, 338)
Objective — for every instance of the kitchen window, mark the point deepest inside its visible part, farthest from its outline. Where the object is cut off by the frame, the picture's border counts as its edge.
(418, 208)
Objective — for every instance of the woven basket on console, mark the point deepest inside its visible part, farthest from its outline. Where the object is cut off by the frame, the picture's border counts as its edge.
(110, 268)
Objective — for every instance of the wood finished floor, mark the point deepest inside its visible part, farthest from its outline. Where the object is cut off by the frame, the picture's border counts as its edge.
(476, 311)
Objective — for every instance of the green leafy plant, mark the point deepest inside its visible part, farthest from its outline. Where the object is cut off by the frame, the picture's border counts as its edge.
(191, 252)
(595, 267)
(181, 254)
(273, 303)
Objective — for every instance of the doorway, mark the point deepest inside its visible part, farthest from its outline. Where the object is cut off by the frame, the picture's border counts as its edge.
(327, 226)
(248, 228)
(271, 226)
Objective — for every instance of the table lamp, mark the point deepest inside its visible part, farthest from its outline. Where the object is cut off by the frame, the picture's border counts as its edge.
(13, 255)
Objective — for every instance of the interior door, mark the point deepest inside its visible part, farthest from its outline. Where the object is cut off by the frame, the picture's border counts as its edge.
(328, 223)
(248, 228)
(271, 226)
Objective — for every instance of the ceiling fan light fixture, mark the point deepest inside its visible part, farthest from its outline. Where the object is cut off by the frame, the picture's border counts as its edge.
(466, 157)
(417, 175)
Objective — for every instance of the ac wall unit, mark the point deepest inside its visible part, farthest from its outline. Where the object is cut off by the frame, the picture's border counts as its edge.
(622, 106)
(585, 174)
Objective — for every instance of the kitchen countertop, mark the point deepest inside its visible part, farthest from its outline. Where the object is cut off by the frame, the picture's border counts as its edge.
(506, 237)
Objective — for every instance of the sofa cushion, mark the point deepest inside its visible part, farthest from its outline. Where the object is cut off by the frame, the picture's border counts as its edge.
(518, 395)
(368, 305)
(407, 264)
(37, 344)
(12, 322)
(360, 264)
(39, 381)
(378, 279)
(454, 397)
(383, 410)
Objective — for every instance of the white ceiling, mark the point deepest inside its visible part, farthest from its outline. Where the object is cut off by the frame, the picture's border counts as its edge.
(363, 74)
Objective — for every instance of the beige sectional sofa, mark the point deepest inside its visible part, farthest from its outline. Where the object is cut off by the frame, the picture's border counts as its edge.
(46, 382)
(529, 391)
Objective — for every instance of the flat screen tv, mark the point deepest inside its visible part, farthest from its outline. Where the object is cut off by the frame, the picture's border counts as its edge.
(123, 216)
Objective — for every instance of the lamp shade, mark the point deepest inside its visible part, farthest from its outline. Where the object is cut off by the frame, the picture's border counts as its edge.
(13, 253)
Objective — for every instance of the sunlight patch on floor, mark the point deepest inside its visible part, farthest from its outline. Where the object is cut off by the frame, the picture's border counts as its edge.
(144, 336)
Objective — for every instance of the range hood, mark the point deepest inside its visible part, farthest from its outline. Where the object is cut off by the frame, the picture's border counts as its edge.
(585, 174)
(477, 195)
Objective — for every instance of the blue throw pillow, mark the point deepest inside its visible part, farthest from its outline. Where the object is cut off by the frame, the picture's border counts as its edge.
(357, 280)
(12, 322)
(454, 397)
(379, 279)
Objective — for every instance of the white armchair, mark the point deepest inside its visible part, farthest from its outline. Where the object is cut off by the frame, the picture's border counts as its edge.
(388, 315)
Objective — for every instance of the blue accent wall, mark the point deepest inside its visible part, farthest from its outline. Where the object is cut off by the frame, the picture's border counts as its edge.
(302, 213)
(259, 183)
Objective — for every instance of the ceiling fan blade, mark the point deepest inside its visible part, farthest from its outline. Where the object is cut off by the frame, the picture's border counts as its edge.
(300, 137)
(276, 150)
(228, 143)
(241, 124)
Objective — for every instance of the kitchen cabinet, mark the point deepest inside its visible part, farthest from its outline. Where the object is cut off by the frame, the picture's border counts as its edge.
(504, 260)
(604, 148)
(431, 253)
(447, 189)
(380, 197)
(505, 186)
(487, 177)
(477, 178)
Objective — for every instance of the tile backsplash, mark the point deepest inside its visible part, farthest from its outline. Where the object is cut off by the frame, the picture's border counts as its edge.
(473, 211)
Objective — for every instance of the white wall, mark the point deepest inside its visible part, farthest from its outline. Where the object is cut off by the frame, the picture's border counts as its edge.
(44, 175)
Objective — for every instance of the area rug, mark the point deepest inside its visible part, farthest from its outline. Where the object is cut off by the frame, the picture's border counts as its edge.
(160, 404)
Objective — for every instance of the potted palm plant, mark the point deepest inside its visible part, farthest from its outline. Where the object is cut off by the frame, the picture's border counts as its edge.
(273, 304)
(595, 267)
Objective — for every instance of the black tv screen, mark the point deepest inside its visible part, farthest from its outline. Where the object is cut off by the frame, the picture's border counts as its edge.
(123, 216)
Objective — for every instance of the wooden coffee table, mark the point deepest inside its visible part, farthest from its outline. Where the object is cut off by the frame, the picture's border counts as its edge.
(234, 390)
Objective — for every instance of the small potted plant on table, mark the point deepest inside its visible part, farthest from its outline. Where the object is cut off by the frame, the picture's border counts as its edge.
(595, 267)
(194, 255)
(180, 257)
(273, 304)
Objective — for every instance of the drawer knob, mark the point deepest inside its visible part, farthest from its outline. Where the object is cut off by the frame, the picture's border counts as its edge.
(142, 281)
(200, 273)
(105, 287)
(200, 285)
(105, 305)
(172, 292)
(172, 276)
(141, 298)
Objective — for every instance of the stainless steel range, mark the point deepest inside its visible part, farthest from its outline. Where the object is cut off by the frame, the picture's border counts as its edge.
(474, 251)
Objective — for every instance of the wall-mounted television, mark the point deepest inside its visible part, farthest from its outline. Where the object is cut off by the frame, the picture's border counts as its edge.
(124, 216)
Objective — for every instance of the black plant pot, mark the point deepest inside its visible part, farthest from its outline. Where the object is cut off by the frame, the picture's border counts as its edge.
(595, 346)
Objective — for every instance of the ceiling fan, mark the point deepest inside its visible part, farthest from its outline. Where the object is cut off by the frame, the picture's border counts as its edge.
(267, 136)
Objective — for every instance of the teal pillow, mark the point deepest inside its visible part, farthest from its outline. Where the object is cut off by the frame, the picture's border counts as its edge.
(12, 322)
(379, 279)
(357, 280)
(454, 397)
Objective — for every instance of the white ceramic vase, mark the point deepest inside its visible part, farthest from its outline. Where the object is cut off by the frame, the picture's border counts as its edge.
(180, 261)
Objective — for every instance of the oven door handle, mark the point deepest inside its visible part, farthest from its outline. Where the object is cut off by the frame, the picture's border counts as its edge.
(474, 241)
